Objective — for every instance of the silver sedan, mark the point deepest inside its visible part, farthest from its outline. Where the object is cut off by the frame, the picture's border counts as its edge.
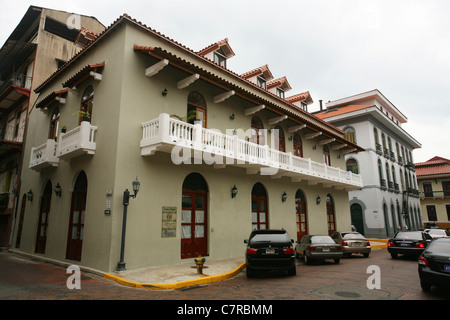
(352, 242)
(318, 247)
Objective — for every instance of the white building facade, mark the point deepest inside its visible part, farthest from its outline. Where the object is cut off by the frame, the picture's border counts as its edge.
(389, 199)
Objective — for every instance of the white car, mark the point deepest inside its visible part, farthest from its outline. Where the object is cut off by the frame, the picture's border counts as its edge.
(436, 233)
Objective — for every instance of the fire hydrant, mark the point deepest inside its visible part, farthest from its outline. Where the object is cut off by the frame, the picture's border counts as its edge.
(199, 261)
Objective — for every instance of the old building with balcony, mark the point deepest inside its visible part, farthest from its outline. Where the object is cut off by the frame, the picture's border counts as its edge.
(389, 199)
(39, 44)
(217, 154)
(433, 177)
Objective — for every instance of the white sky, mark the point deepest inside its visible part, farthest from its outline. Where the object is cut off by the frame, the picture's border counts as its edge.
(331, 48)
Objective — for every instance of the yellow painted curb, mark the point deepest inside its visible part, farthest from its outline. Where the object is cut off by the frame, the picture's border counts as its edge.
(177, 285)
(378, 246)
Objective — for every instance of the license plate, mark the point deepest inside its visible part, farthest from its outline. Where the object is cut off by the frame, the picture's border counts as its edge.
(404, 244)
(446, 268)
(270, 250)
(326, 249)
(357, 244)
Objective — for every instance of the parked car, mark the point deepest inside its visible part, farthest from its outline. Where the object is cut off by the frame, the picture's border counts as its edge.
(436, 233)
(269, 250)
(352, 242)
(408, 243)
(318, 247)
(434, 264)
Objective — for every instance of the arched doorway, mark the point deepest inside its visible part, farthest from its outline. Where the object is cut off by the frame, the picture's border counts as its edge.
(260, 217)
(77, 216)
(356, 213)
(44, 210)
(331, 217)
(302, 219)
(194, 217)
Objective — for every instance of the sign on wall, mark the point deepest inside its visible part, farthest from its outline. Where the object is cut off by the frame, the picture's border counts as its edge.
(169, 222)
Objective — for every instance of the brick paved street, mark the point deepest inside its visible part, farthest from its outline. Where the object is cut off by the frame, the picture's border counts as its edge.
(24, 279)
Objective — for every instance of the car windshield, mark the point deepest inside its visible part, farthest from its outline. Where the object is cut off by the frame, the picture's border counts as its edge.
(321, 239)
(353, 235)
(409, 235)
(269, 237)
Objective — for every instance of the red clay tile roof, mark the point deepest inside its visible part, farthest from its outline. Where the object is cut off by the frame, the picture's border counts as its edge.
(216, 46)
(258, 71)
(331, 112)
(83, 74)
(51, 98)
(299, 97)
(434, 166)
(280, 82)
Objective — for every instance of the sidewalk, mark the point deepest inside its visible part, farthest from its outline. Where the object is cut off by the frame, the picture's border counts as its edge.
(185, 275)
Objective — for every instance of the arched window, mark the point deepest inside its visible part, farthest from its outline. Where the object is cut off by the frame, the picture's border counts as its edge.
(326, 156)
(87, 104)
(196, 108)
(54, 125)
(350, 134)
(377, 141)
(331, 217)
(302, 219)
(281, 142)
(380, 172)
(259, 207)
(194, 216)
(258, 135)
(352, 166)
(298, 147)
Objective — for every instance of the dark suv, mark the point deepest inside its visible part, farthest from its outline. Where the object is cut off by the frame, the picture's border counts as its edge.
(270, 250)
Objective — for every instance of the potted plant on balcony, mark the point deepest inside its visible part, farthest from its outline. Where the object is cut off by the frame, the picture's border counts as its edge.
(84, 115)
(63, 129)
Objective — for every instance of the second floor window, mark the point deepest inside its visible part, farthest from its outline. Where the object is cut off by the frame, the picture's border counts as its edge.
(350, 134)
(87, 104)
(326, 156)
(196, 108)
(298, 148)
(54, 125)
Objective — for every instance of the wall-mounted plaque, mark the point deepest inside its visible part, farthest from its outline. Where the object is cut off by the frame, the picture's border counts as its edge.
(169, 222)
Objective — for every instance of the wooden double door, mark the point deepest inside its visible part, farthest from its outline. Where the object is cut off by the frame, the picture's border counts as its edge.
(194, 222)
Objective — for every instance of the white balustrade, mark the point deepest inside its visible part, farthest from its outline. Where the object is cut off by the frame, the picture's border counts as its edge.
(164, 133)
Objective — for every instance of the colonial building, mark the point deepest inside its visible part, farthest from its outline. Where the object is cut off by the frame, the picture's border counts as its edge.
(39, 44)
(216, 155)
(389, 199)
(433, 177)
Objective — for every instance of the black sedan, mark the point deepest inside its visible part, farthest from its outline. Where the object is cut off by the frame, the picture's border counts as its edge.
(269, 250)
(434, 264)
(408, 243)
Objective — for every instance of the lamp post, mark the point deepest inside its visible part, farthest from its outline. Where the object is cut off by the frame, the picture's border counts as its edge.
(126, 200)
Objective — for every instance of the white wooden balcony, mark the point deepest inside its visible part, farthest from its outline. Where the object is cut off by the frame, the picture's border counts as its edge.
(214, 148)
(78, 141)
(44, 156)
(74, 143)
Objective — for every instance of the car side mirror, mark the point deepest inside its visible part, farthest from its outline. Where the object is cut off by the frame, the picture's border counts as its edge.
(246, 241)
(292, 240)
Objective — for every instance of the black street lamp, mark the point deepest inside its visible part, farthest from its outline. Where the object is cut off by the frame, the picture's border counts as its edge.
(126, 201)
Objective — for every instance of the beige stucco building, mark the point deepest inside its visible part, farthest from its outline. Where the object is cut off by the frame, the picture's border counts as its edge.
(35, 49)
(216, 154)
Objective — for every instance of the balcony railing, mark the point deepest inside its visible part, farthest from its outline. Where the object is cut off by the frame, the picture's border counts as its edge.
(76, 142)
(16, 79)
(171, 135)
(44, 156)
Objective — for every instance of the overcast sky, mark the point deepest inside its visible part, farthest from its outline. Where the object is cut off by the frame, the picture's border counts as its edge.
(331, 48)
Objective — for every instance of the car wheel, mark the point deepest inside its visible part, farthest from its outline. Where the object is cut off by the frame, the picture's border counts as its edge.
(337, 260)
(307, 260)
(366, 255)
(425, 286)
(394, 255)
(292, 271)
